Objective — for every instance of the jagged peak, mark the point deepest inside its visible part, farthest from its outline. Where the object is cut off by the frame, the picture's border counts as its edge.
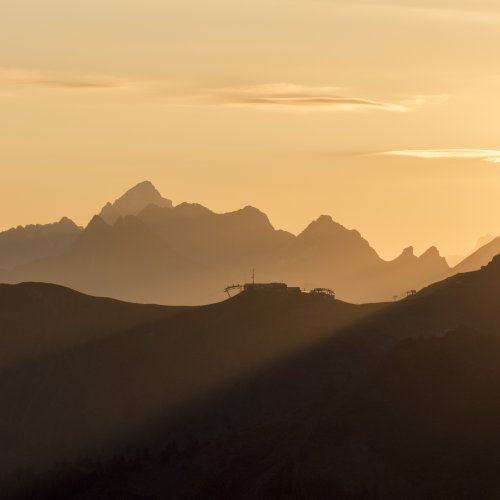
(433, 257)
(134, 201)
(145, 184)
(144, 187)
(408, 254)
(192, 208)
(249, 217)
(409, 251)
(97, 221)
(96, 228)
(323, 224)
(250, 211)
(66, 221)
(431, 252)
(325, 219)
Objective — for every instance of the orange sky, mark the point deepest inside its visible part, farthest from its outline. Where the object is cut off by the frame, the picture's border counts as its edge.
(288, 105)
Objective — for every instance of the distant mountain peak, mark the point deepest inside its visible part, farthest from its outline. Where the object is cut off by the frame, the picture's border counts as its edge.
(250, 208)
(483, 240)
(196, 208)
(433, 258)
(22, 244)
(407, 255)
(325, 219)
(94, 230)
(134, 201)
(145, 188)
(480, 257)
(144, 185)
(66, 221)
(409, 251)
(431, 252)
(323, 225)
(96, 222)
(252, 211)
(252, 217)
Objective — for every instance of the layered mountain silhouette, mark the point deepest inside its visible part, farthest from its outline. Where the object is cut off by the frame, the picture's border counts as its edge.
(23, 244)
(126, 260)
(454, 260)
(266, 395)
(142, 248)
(480, 257)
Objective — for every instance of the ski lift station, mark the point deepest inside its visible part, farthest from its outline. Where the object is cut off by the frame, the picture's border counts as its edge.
(278, 287)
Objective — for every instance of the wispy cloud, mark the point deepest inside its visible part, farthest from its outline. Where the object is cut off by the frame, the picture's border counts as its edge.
(290, 96)
(488, 155)
(277, 96)
(19, 78)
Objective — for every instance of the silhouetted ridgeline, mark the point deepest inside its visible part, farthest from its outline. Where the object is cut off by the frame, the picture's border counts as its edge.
(143, 249)
(267, 396)
(480, 257)
(20, 245)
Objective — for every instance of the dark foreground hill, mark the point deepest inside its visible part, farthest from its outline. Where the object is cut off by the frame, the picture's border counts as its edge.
(39, 320)
(272, 397)
(82, 376)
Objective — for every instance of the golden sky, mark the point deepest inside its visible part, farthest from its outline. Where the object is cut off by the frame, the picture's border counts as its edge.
(381, 114)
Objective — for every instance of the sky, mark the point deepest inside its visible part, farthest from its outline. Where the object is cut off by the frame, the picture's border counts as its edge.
(382, 114)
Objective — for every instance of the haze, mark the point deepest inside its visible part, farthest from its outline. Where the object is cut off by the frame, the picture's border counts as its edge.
(361, 110)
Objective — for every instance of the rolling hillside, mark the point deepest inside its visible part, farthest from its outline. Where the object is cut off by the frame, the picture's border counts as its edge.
(275, 393)
(100, 371)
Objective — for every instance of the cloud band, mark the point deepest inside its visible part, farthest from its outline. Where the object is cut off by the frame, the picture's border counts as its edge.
(487, 155)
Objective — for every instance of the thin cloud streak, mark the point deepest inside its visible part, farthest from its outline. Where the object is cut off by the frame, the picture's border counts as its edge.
(289, 96)
(34, 79)
(282, 96)
(487, 155)
(321, 103)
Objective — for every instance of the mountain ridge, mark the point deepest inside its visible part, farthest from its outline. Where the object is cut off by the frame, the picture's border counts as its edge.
(218, 249)
(480, 257)
(134, 201)
(21, 244)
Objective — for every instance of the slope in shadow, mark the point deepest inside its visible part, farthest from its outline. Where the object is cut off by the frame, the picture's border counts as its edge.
(86, 397)
(375, 411)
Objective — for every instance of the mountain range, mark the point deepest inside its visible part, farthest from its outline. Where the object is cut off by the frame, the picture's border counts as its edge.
(265, 395)
(20, 245)
(142, 248)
